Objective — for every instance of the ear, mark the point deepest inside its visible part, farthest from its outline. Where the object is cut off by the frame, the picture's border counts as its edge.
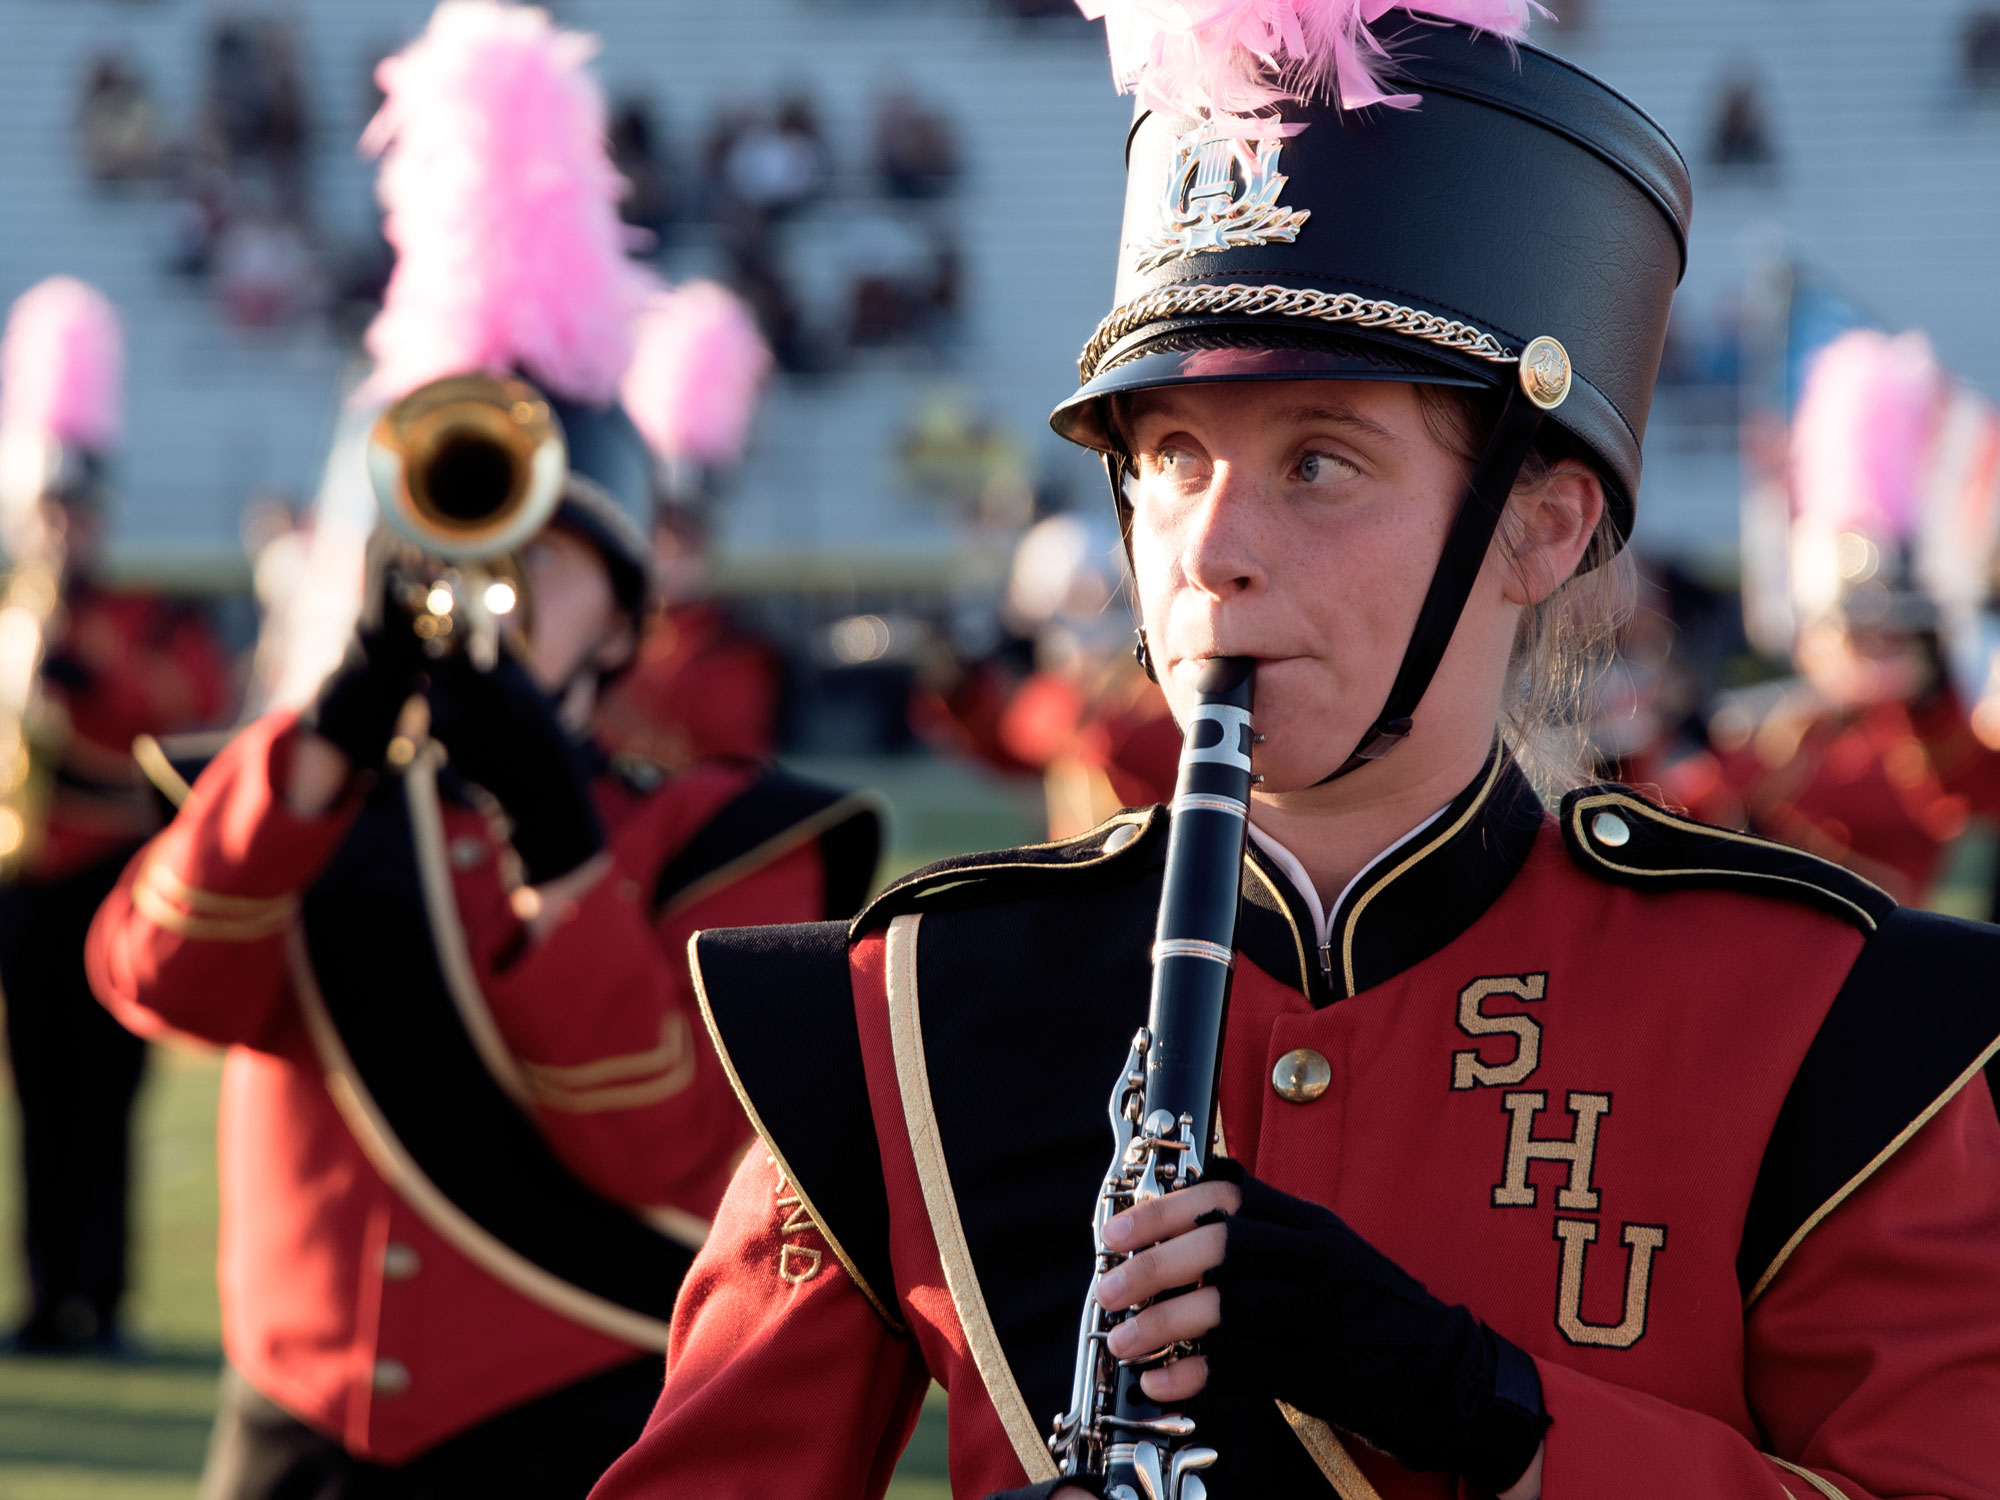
(1550, 525)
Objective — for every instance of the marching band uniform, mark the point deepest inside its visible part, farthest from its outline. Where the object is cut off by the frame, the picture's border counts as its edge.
(118, 664)
(1094, 724)
(701, 688)
(1884, 789)
(1885, 779)
(1691, 1125)
(469, 1138)
(350, 1297)
(1103, 739)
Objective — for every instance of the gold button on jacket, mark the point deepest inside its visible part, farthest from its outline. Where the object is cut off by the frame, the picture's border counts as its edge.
(1301, 1075)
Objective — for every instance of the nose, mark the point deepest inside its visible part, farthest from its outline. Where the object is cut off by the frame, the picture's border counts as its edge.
(1219, 552)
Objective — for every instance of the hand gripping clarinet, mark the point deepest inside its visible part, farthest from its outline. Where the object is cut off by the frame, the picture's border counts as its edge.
(1163, 1107)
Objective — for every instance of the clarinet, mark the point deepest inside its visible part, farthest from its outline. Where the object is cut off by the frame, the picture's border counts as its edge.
(1163, 1105)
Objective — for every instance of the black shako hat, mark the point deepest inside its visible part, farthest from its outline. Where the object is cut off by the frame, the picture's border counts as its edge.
(1520, 199)
(604, 494)
(1521, 229)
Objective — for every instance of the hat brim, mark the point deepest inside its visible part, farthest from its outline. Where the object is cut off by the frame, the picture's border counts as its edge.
(1215, 351)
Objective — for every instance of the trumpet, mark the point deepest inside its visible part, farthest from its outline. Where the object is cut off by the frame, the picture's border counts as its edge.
(466, 469)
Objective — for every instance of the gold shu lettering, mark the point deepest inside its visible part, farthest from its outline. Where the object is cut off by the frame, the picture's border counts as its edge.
(1467, 1071)
(1642, 1242)
(1579, 1149)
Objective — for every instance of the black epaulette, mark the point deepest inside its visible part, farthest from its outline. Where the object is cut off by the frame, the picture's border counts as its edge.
(1915, 1021)
(780, 1011)
(1619, 836)
(774, 814)
(1125, 842)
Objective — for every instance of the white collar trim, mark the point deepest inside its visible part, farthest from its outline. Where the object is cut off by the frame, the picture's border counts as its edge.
(1288, 862)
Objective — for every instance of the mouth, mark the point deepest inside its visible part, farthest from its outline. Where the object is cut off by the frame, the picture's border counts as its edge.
(1263, 659)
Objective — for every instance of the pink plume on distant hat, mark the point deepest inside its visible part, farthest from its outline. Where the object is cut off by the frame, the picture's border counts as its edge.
(62, 367)
(502, 205)
(696, 373)
(1240, 57)
(1863, 434)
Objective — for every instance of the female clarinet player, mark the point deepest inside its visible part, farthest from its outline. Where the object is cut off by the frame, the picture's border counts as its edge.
(1565, 1147)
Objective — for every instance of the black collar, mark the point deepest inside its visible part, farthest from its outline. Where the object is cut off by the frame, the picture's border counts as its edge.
(1408, 904)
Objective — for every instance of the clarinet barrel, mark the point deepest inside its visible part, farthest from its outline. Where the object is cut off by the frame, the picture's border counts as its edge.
(1163, 1106)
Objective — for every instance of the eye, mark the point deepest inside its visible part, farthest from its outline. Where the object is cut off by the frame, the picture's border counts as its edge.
(1319, 468)
(1173, 463)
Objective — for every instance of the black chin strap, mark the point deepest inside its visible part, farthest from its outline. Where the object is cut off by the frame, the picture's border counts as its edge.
(1451, 585)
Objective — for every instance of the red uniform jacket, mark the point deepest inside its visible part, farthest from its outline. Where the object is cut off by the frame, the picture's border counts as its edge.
(700, 688)
(349, 1295)
(1883, 791)
(124, 665)
(1123, 733)
(1694, 1120)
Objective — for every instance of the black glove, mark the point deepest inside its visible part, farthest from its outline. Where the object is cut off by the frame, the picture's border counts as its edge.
(1313, 1314)
(503, 733)
(358, 704)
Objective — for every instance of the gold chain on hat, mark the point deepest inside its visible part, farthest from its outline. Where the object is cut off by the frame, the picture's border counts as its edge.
(1287, 302)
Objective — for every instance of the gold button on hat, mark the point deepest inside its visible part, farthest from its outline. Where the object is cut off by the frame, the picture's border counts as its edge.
(1544, 373)
(391, 1377)
(400, 1261)
(1611, 830)
(1301, 1075)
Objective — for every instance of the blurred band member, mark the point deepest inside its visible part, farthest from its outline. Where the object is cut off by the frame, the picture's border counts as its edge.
(1870, 759)
(1089, 717)
(472, 1129)
(703, 685)
(114, 664)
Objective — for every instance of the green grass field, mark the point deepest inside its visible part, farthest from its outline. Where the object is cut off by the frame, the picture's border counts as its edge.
(137, 1430)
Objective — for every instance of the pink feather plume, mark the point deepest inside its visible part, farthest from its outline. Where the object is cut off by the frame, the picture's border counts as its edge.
(697, 368)
(502, 205)
(1238, 58)
(62, 367)
(1864, 432)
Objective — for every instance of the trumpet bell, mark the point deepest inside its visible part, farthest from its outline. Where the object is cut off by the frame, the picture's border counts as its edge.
(468, 467)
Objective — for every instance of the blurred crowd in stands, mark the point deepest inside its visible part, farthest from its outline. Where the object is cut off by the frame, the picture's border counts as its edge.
(741, 186)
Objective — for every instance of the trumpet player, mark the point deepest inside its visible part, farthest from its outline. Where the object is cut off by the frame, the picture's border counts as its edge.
(472, 1129)
(86, 668)
(1566, 1147)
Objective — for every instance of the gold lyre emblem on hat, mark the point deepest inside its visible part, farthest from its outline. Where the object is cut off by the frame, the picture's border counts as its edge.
(1222, 194)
